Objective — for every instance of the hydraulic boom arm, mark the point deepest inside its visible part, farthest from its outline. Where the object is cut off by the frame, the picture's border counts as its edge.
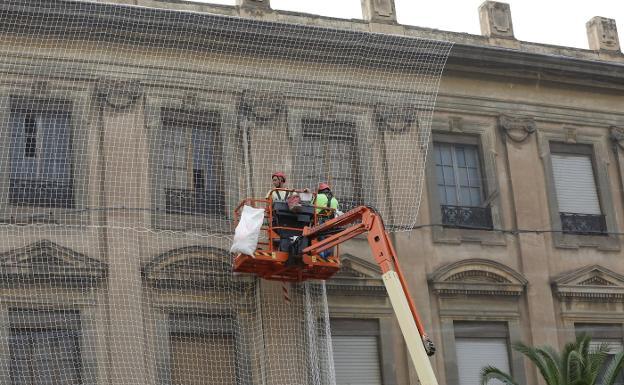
(365, 220)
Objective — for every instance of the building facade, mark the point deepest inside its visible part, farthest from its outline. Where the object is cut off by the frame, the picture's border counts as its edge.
(519, 234)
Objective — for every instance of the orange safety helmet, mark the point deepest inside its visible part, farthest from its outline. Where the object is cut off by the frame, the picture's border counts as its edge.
(323, 186)
(279, 174)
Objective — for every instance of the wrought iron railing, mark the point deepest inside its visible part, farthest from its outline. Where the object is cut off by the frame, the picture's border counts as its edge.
(188, 201)
(478, 218)
(584, 224)
(44, 193)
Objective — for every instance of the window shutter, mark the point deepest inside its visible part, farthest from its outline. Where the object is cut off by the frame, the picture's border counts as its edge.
(356, 360)
(575, 184)
(475, 353)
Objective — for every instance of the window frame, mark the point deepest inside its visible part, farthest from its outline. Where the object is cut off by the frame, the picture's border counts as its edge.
(600, 162)
(226, 108)
(365, 327)
(76, 102)
(483, 136)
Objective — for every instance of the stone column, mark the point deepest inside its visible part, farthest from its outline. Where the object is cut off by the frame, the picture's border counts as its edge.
(530, 203)
(379, 11)
(124, 169)
(495, 20)
(602, 34)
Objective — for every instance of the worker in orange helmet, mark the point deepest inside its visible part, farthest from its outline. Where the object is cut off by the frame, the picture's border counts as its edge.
(279, 180)
(325, 200)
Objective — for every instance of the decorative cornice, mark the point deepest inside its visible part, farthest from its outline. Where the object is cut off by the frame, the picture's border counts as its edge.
(357, 277)
(518, 129)
(119, 94)
(46, 261)
(616, 134)
(477, 277)
(594, 283)
(261, 106)
(195, 267)
(398, 119)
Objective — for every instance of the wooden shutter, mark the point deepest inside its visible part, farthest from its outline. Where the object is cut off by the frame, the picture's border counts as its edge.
(575, 184)
(475, 353)
(356, 360)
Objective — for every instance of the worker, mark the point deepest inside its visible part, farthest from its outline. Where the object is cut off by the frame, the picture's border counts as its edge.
(325, 200)
(279, 180)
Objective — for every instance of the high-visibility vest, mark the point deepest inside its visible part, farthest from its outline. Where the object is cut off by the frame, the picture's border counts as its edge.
(322, 200)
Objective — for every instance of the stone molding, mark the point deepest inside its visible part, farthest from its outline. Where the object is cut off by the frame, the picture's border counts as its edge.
(518, 129)
(119, 95)
(46, 261)
(379, 11)
(192, 266)
(477, 277)
(602, 34)
(594, 283)
(356, 277)
(616, 134)
(397, 119)
(261, 106)
(495, 20)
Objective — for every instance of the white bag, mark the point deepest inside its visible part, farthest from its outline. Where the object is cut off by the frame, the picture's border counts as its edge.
(248, 230)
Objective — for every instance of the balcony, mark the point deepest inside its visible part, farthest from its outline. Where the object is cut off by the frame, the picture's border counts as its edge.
(583, 224)
(476, 218)
(43, 193)
(186, 201)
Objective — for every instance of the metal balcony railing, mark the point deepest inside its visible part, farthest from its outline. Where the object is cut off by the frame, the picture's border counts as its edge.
(478, 218)
(188, 201)
(44, 193)
(583, 224)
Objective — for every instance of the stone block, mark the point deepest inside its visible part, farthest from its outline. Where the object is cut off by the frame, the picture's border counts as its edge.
(495, 19)
(263, 4)
(379, 11)
(602, 34)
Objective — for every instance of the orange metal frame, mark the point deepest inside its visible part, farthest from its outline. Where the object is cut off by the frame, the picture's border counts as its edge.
(269, 262)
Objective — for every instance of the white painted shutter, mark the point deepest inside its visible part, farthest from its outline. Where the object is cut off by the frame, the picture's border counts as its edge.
(356, 360)
(475, 353)
(575, 184)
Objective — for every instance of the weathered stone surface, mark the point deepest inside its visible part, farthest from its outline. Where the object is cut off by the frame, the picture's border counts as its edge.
(495, 19)
(602, 34)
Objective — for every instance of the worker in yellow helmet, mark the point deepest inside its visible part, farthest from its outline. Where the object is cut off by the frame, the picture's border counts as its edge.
(325, 199)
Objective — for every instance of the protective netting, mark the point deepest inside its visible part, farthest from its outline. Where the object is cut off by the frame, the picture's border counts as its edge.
(128, 136)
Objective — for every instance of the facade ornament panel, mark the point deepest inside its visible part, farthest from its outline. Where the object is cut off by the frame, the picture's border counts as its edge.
(47, 261)
(602, 34)
(477, 277)
(379, 10)
(592, 283)
(119, 94)
(495, 19)
(616, 133)
(357, 277)
(261, 106)
(518, 129)
(399, 119)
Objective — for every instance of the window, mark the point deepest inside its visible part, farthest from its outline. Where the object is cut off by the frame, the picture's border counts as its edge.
(328, 153)
(479, 344)
(44, 347)
(575, 188)
(610, 334)
(460, 186)
(355, 344)
(203, 350)
(191, 163)
(41, 169)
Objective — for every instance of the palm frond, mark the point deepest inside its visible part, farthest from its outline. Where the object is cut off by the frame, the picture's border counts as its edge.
(536, 355)
(492, 373)
(615, 367)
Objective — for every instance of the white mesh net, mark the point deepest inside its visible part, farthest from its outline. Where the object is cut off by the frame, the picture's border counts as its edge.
(130, 134)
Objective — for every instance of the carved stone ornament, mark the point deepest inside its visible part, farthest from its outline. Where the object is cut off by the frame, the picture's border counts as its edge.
(397, 119)
(119, 94)
(495, 19)
(591, 283)
(602, 34)
(515, 128)
(477, 277)
(261, 106)
(617, 136)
